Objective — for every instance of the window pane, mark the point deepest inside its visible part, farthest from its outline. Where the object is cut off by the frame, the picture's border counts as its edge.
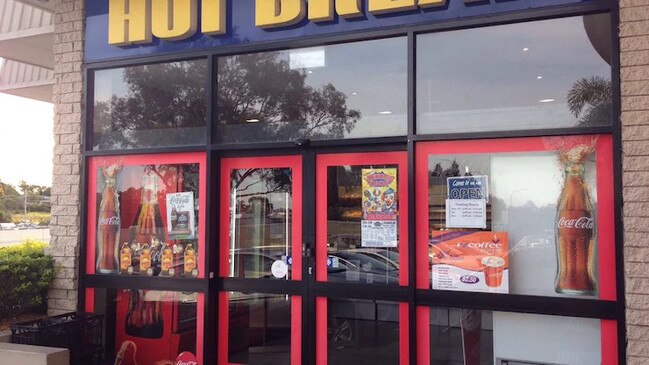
(260, 225)
(362, 332)
(516, 76)
(147, 219)
(328, 92)
(259, 330)
(474, 337)
(358, 253)
(149, 326)
(539, 211)
(150, 106)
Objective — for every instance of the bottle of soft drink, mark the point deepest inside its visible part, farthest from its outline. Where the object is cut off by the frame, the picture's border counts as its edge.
(575, 229)
(108, 226)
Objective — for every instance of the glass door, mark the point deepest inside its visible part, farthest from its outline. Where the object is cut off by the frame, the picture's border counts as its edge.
(361, 228)
(260, 308)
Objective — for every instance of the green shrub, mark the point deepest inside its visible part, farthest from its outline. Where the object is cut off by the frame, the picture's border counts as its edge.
(26, 273)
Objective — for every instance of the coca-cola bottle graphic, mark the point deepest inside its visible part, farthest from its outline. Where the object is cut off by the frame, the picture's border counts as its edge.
(575, 229)
(108, 225)
(148, 227)
(144, 318)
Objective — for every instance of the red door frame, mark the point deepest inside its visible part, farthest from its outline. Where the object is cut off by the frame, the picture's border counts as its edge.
(294, 162)
(605, 221)
(324, 161)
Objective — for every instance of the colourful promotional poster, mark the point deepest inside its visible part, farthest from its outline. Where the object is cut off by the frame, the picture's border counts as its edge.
(470, 261)
(379, 194)
(379, 224)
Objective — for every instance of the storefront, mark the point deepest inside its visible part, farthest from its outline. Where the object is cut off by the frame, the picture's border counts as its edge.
(353, 182)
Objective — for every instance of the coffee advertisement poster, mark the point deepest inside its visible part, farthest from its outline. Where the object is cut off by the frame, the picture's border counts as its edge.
(470, 261)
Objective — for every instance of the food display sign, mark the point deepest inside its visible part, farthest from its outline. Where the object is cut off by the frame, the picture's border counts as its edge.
(470, 261)
(379, 207)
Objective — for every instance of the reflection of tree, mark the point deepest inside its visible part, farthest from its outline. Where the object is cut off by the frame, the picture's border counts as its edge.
(274, 180)
(264, 89)
(590, 98)
(160, 96)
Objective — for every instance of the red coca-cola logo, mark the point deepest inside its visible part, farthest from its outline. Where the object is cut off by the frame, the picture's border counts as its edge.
(579, 223)
(109, 221)
(186, 358)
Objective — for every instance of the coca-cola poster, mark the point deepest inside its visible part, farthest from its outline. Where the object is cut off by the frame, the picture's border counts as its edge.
(181, 219)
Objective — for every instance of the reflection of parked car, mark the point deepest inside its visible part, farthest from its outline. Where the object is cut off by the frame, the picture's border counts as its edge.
(359, 267)
(389, 257)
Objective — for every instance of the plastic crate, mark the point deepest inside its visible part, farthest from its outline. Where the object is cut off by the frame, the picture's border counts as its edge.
(81, 333)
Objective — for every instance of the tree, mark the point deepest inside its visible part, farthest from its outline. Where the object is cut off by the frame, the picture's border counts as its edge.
(591, 98)
(158, 97)
(263, 88)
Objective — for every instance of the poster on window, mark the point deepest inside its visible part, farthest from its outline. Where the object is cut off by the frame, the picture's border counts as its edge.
(379, 207)
(181, 220)
(379, 194)
(468, 187)
(379, 233)
(470, 261)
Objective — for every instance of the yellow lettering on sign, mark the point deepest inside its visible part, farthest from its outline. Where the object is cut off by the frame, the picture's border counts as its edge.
(129, 22)
(174, 19)
(388, 6)
(275, 13)
(213, 17)
(432, 3)
(349, 8)
(321, 10)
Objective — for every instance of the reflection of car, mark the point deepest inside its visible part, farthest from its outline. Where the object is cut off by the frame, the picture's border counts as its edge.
(387, 256)
(7, 226)
(352, 266)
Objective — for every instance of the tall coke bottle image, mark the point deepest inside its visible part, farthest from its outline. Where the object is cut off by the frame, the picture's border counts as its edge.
(144, 318)
(108, 225)
(148, 226)
(576, 235)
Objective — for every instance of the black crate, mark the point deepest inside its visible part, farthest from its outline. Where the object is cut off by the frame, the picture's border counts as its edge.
(81, 333)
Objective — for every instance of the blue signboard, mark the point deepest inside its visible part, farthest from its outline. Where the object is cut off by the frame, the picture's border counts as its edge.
(241, 28)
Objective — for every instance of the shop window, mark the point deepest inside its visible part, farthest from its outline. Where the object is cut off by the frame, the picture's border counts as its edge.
(149, 326)
(259, 329)
(362, 219)
(361, 332)
(533, 75)
(530, 216)
(466, 336)
(150, 106)
(261, 218)
(328, 92)
(146, 215)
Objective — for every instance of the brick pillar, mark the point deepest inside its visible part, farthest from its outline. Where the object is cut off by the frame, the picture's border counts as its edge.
(634, 59)
(68, 111)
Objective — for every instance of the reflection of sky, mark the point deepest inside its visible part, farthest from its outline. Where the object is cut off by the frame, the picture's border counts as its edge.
(487, 71)
(108, 83)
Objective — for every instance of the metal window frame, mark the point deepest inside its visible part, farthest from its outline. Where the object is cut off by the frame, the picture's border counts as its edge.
(212, 284)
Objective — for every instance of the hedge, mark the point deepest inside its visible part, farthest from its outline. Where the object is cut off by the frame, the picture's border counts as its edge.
(25, 273)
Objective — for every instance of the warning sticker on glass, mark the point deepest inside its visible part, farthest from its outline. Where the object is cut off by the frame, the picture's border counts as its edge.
(378, 233)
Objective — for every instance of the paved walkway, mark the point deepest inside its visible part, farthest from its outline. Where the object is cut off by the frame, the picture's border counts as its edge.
(14, 237)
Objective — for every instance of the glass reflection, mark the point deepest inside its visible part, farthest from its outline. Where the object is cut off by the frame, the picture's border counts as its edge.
(516, 76)
(353, 256)
(259, 329)
(524, 189)
(152, 105)
(362, 332)
(329, 92)
(260, 226)
(474, 337)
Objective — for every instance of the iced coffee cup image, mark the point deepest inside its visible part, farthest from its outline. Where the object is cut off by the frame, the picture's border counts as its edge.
(493, 267)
